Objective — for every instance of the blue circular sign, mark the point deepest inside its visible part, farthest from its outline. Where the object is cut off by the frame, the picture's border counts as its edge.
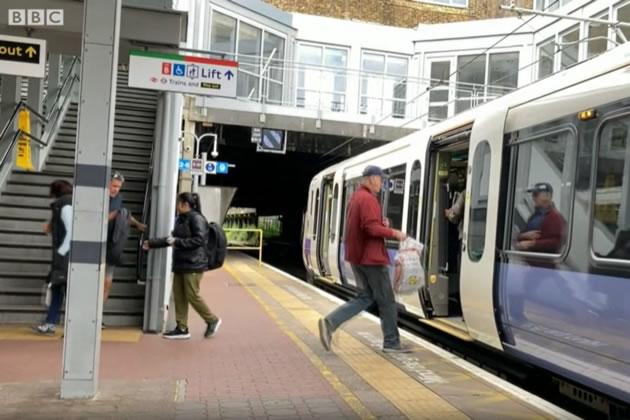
(210, 167)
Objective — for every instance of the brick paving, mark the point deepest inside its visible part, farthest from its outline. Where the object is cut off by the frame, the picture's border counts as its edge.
(250, 369)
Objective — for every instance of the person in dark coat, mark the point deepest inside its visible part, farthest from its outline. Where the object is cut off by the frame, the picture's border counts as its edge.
(60, 228)
(190, 260)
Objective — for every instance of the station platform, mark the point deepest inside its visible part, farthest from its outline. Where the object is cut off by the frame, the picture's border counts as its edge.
(265, 362)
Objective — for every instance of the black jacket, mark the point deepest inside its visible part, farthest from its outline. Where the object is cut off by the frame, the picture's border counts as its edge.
(59, 266)
(190, 253)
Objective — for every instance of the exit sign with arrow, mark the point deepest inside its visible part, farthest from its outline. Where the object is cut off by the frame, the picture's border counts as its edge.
(22, 56)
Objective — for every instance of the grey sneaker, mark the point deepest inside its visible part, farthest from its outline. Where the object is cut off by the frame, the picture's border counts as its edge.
(45, 328)
(177, 334)
(400, 348)
(212, 328)
(325, 335)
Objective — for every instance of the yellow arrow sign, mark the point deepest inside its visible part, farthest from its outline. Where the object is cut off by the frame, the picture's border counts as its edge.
(31, 51)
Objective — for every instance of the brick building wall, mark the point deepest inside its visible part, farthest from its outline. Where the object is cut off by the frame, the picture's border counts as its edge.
(401, 13)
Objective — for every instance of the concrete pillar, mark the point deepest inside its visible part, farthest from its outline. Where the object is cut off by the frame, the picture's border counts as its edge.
(84, 300)
(188, 151)
(35, 101)
(54, 73)
(159, 305)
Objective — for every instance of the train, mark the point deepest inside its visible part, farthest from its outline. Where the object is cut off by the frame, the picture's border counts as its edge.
(563, 306)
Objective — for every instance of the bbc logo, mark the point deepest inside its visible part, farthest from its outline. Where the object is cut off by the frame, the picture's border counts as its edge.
(35, 17)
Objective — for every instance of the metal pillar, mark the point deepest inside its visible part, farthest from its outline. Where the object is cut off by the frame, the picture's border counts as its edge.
(164, 193)
(11, 91)
(84, 300)
(34, 100)
(54, 74)
(188, 152)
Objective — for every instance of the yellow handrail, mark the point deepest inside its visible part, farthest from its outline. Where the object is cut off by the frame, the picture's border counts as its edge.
(252, 248)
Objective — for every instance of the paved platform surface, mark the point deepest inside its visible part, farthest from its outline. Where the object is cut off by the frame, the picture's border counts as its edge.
(266, 362)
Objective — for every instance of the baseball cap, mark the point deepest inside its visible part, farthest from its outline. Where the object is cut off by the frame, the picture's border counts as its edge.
(374, 171)
(541, 187)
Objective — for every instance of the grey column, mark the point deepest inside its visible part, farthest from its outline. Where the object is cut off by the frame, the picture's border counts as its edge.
(84, 300)
(158, 286)
(35, 100)
(54, 73)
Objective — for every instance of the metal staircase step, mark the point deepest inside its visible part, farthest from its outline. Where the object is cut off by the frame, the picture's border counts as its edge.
(24, 214)
(33, 314)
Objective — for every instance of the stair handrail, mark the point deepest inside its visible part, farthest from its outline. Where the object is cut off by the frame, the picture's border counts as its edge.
(146, 207)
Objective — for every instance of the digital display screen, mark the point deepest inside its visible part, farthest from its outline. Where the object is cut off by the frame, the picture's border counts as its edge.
(273, 139)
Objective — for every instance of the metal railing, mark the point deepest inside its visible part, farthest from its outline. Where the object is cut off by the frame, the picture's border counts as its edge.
(242, 244)
(51, 121)
(142, 256)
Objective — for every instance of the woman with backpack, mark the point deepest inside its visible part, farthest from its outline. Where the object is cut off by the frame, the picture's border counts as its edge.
(60, 229)
(190, 260)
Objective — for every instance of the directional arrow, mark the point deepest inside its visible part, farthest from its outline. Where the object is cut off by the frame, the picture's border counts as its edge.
(31, 51)
(229, 74)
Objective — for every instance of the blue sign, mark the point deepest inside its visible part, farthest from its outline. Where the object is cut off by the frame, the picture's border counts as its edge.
(184, 165)
(179, 69)
(222, 167)
(210, 167)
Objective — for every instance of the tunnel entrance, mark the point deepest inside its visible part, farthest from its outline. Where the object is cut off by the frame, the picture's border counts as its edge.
(275, 186)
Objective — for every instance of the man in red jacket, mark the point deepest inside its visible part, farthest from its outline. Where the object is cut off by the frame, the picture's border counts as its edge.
(366, 253)
(544, 231)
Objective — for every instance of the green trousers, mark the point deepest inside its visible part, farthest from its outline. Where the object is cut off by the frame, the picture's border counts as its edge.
(185, 291)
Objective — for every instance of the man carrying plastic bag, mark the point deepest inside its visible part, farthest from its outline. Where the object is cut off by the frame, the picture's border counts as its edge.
(408, 272)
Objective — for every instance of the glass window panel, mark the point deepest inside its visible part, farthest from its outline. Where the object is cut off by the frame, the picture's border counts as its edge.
(623, 15)
(479, 201)
(397, 65)
(249, 45)
(223, 33)
(545, 57)
(276, 69)
(413, 209)
(597, 34)
(611, 227)
(335, 81)
(373, 63)
(544, 160)
(570, 48)
(502, 72)
(471, 79)
(438, 113)
(394, 189)
(309, 75)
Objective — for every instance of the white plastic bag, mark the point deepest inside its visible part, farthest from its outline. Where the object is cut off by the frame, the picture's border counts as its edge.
(408, 272)
(46, 294)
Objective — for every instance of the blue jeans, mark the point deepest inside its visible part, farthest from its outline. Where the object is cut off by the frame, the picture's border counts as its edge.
(56, 299)
(375, 287)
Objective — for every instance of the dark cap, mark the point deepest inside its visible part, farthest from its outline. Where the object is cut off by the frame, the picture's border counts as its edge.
(541, 187)
(374, 171)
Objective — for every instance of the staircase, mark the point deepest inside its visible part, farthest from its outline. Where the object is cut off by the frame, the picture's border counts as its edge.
(25, 251)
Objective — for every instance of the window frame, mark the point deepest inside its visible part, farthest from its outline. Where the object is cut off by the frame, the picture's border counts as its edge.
(320, 92)
(450, 4)
(473, 174)
(609, 262)
(414, 226)
(511, 147)
(383, 99)
(553, 41)
(587, 29)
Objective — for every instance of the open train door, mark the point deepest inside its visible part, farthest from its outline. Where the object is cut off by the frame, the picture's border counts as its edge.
(480, 226)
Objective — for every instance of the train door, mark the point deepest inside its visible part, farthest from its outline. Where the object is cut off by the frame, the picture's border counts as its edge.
(325, 231)
(313, 230)
(444, 193)
(480, 227)
(334, 236)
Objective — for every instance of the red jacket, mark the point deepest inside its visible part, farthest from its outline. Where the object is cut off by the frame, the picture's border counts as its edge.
(552, 233)
(365, 232)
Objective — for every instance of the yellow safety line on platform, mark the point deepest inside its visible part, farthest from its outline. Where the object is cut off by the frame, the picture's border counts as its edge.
(180, 390)
(334, 381)
(412, 398)
(25, 333)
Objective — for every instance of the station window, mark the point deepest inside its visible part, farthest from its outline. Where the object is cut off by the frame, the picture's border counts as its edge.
(440, 88)
(611, 224)
(383, 84)
(570, 52)
(414, 199)
(597, 37)
(251, 45)
(544, 170)
(546, 52)
(623, 15)
(322, 77)
(479, 201)
(484, 77)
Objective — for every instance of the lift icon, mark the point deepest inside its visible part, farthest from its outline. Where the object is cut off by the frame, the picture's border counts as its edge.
(210, 167)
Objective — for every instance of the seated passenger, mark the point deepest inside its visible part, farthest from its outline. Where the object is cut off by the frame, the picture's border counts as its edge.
(545, 228)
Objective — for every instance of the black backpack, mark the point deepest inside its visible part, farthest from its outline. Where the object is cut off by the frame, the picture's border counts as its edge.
(217, 246)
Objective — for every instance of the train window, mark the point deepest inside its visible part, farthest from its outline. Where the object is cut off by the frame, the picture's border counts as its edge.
(479, 201)
(611, 224)
(394, 195)
(543, 192)
(333, 219)
(349, 188)
(414, 199)
(316, 216)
